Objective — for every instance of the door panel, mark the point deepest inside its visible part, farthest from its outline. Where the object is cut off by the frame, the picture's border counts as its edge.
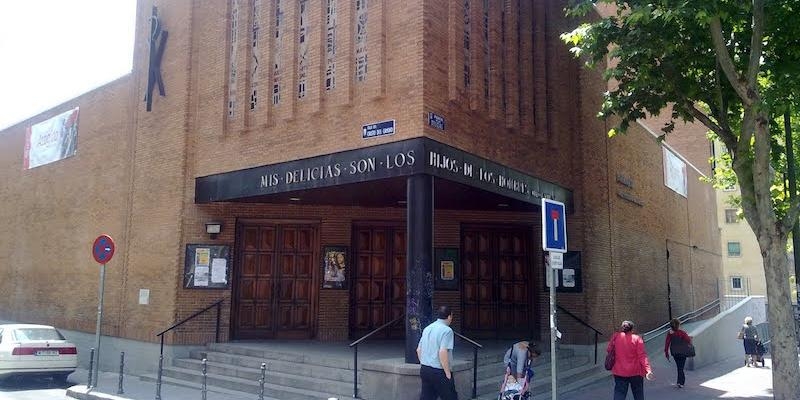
(274, 293)
(497, 282)
(378, 291)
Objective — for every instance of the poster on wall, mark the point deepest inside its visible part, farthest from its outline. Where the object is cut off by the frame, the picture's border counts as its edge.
(334, 267)
(51, 140)
(569, 279)
(675, 173)
(207, 266)
(446, 268)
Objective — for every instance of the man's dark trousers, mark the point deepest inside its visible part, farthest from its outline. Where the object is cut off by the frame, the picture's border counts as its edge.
(436, 385)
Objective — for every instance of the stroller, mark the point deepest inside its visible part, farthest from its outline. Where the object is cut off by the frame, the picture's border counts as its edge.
(513, 389)
(760, 351)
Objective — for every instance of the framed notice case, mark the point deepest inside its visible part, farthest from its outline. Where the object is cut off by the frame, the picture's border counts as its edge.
(207, 266)
(446, 268)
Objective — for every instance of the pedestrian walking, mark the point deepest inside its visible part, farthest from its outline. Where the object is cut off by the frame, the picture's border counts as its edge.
(749, 334)
(435, 353)
(631, 365)
(677, 343)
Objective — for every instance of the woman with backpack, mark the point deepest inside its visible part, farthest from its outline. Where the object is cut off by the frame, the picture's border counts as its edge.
(677, 343)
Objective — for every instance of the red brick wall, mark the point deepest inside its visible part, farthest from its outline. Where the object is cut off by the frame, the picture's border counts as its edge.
(133, 176)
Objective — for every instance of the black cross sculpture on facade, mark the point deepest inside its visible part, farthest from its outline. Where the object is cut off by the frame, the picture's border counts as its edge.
(156, 52)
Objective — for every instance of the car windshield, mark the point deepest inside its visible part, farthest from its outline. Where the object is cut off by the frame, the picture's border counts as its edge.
(24, 334)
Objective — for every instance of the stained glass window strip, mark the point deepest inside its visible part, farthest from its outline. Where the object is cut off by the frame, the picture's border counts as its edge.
(232, 70)
(504, 89)
(256, 54)
(467, 54)
(276, 54)
(330, 45)
(361, 40)
(486, 60)
(302, 56)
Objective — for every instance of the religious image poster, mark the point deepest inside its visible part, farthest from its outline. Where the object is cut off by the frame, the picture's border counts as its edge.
(52, 140)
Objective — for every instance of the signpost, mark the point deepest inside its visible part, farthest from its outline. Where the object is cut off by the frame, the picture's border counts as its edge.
(102, 251)
(554, 241)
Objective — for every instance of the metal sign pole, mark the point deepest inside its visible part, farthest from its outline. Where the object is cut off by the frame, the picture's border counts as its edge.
(553, 281)
(99, 322)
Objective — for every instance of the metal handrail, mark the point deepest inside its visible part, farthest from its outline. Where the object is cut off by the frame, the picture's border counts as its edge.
(218, 305)
(355, 344)
(475, 347)
(691, 315)
(597, 332)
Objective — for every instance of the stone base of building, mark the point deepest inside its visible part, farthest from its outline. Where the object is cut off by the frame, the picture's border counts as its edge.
(394, 379)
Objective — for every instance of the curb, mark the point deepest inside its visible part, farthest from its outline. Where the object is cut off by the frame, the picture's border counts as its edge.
(84, 393)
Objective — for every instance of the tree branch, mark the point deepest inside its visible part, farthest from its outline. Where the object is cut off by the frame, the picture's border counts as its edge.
(756, 43)
(725, 135)
(725, 61)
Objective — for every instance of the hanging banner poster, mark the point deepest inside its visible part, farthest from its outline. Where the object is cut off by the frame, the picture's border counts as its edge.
(51, 140)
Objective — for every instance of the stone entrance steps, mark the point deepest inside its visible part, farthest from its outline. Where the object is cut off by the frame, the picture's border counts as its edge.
(296, 375)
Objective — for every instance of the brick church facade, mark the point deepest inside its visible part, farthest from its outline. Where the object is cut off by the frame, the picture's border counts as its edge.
(302, 127)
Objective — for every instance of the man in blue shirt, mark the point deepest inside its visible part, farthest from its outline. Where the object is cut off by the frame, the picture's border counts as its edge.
(435, 352)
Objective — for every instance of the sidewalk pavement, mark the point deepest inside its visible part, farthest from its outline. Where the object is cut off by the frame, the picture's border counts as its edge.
(136, 389)
(728, 379)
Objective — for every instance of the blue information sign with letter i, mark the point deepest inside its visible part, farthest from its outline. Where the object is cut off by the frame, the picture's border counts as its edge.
(554, 226)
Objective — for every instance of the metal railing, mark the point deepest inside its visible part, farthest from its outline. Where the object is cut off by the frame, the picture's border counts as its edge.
(355, 344)
(597, 333)
(688, 317)
(218, 305)
(475, 347)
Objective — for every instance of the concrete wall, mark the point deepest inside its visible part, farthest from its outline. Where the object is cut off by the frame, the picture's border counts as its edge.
(715, 339)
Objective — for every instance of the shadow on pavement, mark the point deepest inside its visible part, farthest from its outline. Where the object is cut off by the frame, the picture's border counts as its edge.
(20, 383)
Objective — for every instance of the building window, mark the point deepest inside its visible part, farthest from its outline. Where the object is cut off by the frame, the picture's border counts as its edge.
(361, 40)
(256, 54)
(330, 46)
(487, 63)
(276, 54)
(734, 249)
(302, 55)
(467, 57)
(730, 216)
(232, 66)
(736, 282)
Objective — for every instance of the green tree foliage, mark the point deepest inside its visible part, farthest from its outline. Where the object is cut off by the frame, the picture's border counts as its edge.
(732, 65)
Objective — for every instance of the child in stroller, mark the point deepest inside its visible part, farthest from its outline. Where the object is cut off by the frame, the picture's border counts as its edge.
(519, 371)
(516, 389)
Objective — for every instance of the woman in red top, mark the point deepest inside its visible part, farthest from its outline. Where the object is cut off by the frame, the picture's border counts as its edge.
(675, 338)
(631, 365)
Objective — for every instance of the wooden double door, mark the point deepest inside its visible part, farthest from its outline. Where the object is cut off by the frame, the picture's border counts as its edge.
(275, 290)
(497, 289)
(378, 292)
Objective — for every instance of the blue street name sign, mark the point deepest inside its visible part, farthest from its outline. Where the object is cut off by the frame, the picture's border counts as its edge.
(436, 121)
(554, 226)
(382, 128)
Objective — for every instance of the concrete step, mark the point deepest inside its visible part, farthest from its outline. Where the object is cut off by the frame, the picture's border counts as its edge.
(198, 386)
(291, 378)
(568, 381)
(314, 371)
(252, 386)
(569, 369)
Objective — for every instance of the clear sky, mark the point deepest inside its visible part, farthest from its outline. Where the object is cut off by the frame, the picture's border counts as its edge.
(54, 50)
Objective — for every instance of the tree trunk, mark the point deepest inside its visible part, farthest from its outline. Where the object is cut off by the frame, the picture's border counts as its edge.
(785, 368)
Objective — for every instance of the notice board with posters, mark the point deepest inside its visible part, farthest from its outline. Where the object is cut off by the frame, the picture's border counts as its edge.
(569, 279)
(207, 266)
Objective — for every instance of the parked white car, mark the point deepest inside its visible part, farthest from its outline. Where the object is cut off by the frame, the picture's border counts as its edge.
(35, 350)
